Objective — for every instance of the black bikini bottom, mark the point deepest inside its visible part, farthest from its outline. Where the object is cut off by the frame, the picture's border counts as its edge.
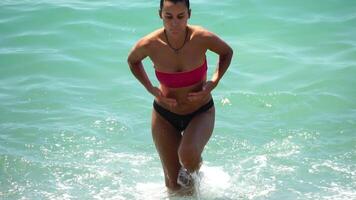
(180, 122)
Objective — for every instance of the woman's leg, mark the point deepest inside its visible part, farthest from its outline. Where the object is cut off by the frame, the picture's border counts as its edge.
(194, 139)
(167, 140)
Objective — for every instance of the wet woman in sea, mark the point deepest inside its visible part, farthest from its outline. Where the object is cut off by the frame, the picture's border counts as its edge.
(183, 113)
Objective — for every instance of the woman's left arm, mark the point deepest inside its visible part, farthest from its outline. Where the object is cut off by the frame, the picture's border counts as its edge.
(225, 52)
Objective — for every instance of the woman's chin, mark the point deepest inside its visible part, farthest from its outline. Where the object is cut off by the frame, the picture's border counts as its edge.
(174, 32)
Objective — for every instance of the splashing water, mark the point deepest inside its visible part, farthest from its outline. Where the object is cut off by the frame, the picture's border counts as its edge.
(196, 181)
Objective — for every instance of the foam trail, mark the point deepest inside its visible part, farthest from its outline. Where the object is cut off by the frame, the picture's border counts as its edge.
(196, 180)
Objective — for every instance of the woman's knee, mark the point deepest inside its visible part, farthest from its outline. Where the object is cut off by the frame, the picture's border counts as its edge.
(189, 157)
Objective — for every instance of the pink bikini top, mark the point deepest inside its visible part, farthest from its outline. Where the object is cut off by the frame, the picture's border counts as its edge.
(182, 79)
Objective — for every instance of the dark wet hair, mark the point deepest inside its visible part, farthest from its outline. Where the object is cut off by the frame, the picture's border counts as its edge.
(175, 1)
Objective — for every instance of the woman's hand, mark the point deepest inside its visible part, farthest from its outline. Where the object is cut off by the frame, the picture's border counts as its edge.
(203, 94)
(155, 91)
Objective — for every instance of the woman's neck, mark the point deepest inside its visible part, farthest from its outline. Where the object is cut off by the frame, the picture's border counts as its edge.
(177, 41)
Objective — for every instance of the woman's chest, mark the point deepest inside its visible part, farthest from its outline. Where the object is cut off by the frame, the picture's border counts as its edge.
(168, 60)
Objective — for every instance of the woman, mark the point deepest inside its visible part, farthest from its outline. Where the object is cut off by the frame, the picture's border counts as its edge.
(183, 110)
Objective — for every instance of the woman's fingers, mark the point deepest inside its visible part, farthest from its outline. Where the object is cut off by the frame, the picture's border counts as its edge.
(158, 94)
(194, 96)
(171, 102)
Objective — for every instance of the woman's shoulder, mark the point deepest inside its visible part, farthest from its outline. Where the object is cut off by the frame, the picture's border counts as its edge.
(199, 31)
(151, 37)
(149, 41)
(144, 45)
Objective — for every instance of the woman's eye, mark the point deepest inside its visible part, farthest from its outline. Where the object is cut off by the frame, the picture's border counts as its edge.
(169, 17)
(180, 17)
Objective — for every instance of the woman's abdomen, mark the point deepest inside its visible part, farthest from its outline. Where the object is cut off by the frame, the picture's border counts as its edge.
(184, 106)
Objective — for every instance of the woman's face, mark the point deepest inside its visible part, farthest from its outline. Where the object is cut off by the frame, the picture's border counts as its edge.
(175, 17)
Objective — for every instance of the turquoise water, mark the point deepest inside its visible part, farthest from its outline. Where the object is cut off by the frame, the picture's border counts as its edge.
(75, 124)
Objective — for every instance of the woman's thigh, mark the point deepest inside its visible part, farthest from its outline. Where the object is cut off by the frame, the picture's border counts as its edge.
(167, 140)
(198, 132)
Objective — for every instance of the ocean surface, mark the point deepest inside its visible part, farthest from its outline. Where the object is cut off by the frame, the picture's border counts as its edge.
(75, 123)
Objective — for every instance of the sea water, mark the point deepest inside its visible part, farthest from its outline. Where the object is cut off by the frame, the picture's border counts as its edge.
(75, 123)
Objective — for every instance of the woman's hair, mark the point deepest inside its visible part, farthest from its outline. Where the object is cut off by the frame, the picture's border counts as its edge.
(175, 1)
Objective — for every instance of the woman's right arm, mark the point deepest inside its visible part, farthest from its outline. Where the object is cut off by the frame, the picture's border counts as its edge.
(137, 54)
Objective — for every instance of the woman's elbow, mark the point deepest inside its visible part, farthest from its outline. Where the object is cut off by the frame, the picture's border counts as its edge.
(227, 53)
(131, 62)
(230, 52)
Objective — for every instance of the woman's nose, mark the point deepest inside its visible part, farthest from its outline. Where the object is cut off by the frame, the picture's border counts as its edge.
(175, 22)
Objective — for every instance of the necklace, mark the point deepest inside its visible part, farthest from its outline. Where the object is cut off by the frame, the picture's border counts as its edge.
(176, 50)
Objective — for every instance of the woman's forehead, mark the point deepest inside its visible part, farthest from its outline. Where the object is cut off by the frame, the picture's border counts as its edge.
(171, 7)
